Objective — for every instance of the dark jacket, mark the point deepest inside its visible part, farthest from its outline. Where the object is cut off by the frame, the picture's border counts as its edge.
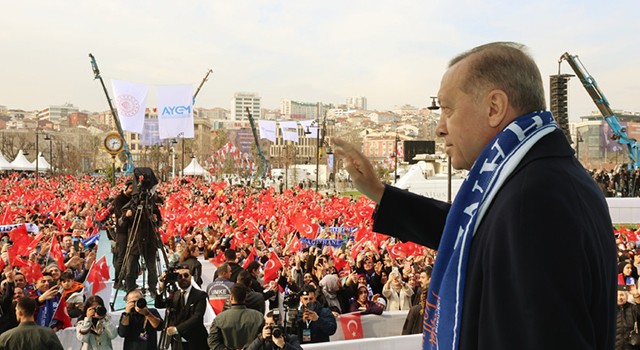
(189, 318)
(626, 317)
(372, 308)
(235, 328)
(549, 220)
(137, 326)
(321, 329)
(235, 271)
(120, 201)
(28, 335)
(8, 319)
(413, 322)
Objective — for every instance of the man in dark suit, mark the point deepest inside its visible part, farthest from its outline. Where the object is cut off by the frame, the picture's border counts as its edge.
(527, 217)
(186, 322)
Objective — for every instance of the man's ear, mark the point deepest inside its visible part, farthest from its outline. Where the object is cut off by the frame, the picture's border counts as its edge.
(498, 104)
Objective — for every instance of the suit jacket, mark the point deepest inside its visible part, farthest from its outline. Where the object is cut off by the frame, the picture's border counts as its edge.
(548, 221)
(189, 318)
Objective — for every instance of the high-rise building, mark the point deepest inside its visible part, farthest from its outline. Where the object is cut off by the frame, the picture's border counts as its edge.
(357, 102)
(240, 102)
(290, 109)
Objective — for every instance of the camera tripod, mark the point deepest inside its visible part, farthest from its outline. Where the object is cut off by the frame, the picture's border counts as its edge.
(143, 211)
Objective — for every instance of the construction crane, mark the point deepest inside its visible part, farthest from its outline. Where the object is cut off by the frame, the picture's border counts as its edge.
(262, 170)
(589, 83)
(128, 166)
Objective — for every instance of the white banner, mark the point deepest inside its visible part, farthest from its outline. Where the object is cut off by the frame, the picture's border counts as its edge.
(289, 131)
(175, 111)
(310, 127)
(267, 129)
(131, 102)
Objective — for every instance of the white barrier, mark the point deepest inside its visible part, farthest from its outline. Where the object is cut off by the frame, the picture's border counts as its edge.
(373, 326)
(389, 343)
(624, 210)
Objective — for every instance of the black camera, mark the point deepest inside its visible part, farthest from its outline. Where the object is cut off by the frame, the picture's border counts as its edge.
(141, 303)
(101, 310)
(276, 330)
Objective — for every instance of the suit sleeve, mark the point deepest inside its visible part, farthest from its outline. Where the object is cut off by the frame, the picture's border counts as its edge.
(410, 217)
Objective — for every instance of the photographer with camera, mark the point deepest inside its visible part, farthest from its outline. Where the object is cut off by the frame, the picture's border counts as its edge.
(95, 330)
(236, 327)
(314, 323)
(139, 219)
(139, 324)
(122, 224)
(273, 336)
(186, 308)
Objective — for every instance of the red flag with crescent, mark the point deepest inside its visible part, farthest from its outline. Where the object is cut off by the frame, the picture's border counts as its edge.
(351, 326)
(271, 268)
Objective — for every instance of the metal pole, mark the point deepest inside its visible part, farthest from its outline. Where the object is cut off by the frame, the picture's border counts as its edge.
(37, 155)
(113, 170)
(395, 152)
(51, 154)
(173, 162)
(182, 155)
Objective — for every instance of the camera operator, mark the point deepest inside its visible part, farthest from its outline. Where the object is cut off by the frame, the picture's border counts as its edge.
(314, 323)
(273, 336)
(141, 214)
(122, 231)
(96, 329)
(139, 324)
(186, 321)
(236, 327)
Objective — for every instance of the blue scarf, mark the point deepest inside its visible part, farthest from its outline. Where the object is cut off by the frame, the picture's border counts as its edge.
(494, 165)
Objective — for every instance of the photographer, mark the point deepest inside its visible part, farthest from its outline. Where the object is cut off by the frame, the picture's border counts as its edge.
(138, 218)
(122, 231)
(273, 337)
(186, 322)
(139, 325)
(95, 330)
(314, 323)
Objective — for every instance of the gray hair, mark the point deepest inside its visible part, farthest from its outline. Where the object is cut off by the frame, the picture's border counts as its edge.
(506, 66)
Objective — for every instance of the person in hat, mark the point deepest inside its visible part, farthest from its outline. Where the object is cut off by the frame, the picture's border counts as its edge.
(314, 323)
(627, 317)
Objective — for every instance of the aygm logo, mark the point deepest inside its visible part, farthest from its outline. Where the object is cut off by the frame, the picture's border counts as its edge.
(176, 111)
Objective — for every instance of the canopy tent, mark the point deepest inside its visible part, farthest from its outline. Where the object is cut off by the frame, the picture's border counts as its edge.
(21, 163)
(4, 163)
(43, 165)
(195, 169)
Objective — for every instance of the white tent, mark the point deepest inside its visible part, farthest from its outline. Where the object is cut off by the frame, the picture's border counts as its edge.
(4, 163)
(195, 169)
(43, 165)
(22, 164)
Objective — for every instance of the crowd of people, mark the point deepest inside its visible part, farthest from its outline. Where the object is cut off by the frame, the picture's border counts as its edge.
(619, 182)
(329, 261)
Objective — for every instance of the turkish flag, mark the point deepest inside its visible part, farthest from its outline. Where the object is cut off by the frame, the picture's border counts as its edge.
(250, 258)
(351, 326)
(271, 268)
(217, 260)
(296, 246)
(217, 304)
(98, 274)
(62, 315)
(339, 263)
(56, 252)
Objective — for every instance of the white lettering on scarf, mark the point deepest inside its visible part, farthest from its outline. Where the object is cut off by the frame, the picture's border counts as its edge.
(519, 132)
(486, 166)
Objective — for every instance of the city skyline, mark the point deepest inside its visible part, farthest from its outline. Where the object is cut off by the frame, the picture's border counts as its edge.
(391, 53)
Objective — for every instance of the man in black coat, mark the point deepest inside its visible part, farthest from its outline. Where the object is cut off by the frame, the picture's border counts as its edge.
(186, 322)
(543, 253)
(122, 231)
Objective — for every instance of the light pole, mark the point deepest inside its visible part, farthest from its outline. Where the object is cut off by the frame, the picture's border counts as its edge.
(173, 158)
(395, 155)
(434, 107)
(37, 153)
(578, 140)
(50, 139)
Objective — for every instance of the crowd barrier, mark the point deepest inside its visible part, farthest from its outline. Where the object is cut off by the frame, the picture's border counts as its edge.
(624, 210)
(389, 343)
(374, 326)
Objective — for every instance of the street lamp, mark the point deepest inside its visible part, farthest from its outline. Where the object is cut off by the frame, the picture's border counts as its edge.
(578, 141)
(50, 139)
(434, 107)
(395, 155)
(37, 153)
(173, 158)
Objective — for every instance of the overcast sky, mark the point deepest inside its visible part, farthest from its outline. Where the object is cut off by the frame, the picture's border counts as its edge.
(392, 52)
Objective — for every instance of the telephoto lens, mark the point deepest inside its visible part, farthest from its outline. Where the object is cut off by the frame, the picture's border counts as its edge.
(276, 331)
(141, 303)
(101, 310)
